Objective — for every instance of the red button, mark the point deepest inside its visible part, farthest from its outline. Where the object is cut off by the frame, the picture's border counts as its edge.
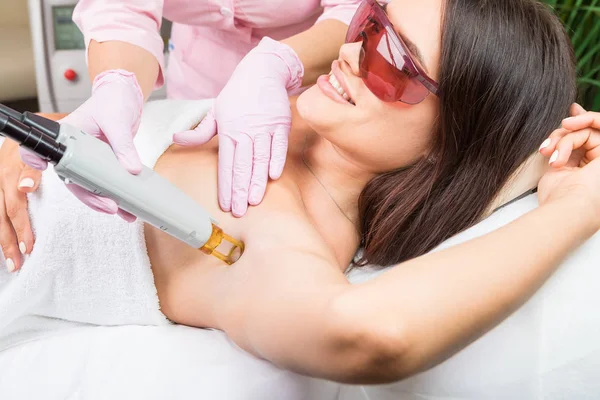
(70, 75)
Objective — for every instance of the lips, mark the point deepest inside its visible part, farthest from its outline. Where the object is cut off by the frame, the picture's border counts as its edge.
(334, 86)
(340, 80)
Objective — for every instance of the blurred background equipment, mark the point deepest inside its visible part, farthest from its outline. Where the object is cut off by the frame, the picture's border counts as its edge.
(63, 82)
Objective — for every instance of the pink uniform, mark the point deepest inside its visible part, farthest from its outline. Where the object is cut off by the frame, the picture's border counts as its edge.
(209, 37)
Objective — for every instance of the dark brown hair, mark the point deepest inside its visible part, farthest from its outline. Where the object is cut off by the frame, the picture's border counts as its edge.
(507, 79)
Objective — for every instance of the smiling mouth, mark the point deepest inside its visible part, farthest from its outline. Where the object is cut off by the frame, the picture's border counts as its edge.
(336, 85)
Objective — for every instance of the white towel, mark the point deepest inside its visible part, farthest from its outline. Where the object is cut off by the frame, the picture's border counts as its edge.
(87, 267)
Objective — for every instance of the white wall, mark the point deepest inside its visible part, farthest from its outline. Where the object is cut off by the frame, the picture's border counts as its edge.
(17, 71)
(14, 12)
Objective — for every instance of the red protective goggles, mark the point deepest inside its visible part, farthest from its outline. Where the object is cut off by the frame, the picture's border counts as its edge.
(386, 65)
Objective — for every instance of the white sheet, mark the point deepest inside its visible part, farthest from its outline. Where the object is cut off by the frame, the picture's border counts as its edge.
(149, 363)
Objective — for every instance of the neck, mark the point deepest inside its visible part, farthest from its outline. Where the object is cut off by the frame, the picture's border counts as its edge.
(524, 179)
(331, 173)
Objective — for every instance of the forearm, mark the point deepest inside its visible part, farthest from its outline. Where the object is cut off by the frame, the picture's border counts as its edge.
(435, 305)
(329, 35)
(120, 55)
(123, 34)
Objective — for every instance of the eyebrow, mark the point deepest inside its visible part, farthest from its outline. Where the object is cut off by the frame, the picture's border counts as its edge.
(412, 47)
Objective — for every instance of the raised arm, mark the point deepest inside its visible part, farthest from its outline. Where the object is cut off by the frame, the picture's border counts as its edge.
(295, 310)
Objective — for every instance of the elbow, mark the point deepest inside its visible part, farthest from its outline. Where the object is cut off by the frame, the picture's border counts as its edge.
(370, 349)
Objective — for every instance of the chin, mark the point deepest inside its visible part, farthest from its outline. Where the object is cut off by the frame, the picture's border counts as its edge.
(319, 111)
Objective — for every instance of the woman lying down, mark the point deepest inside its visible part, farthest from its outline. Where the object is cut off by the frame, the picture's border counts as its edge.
(395, 162)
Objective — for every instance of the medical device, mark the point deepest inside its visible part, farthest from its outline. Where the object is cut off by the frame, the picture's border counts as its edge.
(63, 82)
(87, 161)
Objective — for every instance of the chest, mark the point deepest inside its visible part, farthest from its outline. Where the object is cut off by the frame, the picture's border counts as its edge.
(194, 170)
(262, 14)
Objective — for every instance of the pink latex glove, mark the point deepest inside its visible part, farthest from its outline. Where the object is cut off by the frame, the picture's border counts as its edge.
(253, 118)
(113, 114)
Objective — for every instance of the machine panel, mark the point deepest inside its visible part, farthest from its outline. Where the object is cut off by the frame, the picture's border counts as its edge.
(60, 56)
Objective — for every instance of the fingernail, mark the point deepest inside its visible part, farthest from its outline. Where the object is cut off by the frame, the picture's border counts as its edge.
(182, 137)
(546, 143)
(554, 157)
(237, 210)
(10, 265)
(22, 247)
(131, 164)
(253, 195)
(569, 119)
(26, 183)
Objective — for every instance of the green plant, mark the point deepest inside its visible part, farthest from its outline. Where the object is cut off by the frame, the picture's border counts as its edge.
(582, 19)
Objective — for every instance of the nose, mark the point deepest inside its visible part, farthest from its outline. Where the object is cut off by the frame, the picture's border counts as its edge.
(350, 53)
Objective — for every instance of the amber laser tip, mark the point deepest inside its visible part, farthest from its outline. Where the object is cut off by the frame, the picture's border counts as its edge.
(217, 238)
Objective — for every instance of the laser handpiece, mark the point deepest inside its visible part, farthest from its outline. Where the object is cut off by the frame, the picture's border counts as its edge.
(90, 163)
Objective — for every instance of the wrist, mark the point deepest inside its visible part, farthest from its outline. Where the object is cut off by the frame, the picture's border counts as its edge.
(579, 210)
(294, 69)
(123, 77)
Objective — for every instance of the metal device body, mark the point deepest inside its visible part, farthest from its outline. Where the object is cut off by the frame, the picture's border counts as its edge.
(59, 51)
(91, 164)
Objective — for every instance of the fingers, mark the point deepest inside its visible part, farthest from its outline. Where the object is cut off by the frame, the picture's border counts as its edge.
(17, 212)
(29, 181)
(260, 170)
(279, 151)
(97, 203)
(225, 174)
(549, 145)
(100, 204)
(588, 140)
(565, 146)
(127, 217)
(204, 132)
(8, 239)
(29, 158)
(120, 138)
(582, 121)
(576, 110)
(242, 174)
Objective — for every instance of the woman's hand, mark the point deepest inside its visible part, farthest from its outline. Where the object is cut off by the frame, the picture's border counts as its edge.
(253, 118)
(574, 152)
(16, 180)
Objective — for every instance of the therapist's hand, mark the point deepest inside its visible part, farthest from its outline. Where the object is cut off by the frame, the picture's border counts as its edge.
(113, 114)
(574, 154)
(16, 180)
(253, 118)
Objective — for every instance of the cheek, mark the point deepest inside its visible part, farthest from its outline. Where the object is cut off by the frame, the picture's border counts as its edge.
(396, 138)
(321, 113)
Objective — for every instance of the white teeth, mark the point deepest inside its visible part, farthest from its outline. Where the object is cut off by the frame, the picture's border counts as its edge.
(336, 85)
